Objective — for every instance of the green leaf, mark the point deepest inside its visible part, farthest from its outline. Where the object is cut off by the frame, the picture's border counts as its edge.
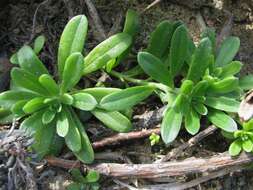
(186, 87)
(223, 103)
(222, 120)
(73, 137)
(114, 120)
(154, 68)
(48, 83)
(247, 145)
(160, 39)
(132, 24)
(231, 69)
(39, 43)
(74, 186)
(200, 88)
(43, 138)
(99, 92)
(17, 108)
(86, 153)
(246, 82)
(62, 124)
(48, 116)
(200, 108)
(192, 122)
(14, 58)
(28, 81)
(109, 49)
(72, 71)
(178, 50)
(200, 60)
(235, 148)
(67, 99)
(84, 101)
(226, 85)
(6, 116)
(131, 27)
(58, 143)
(33, 123)
(248, 125)
(72, 40)
(228, 50)
(29, 61)
(171, 125)
(77, 176)
(9, 98)
(34, 104)
(126, 98)
(92, 176)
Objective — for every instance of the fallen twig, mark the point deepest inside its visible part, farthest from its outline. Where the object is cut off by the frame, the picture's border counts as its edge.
(194, 182)
(124, 136)
(96, 19)
(35, 17)
(155, 2)
(158, 170)
(191, 142)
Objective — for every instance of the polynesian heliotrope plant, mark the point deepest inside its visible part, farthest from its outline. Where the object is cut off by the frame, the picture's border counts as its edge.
(48, 105)
(194, 82)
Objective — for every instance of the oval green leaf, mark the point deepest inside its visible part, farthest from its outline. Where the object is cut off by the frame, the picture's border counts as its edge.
(192, 122)
(72, 71)
(39, 43)
(84, 101)
(235, 148)
(72, 40)
(62, 124)
(28, 81)
(228, 50)
(48, 83)
(160, 39)
(109, 49)
(126, 98)
(171, 125)
(222, 120)
(29, 61)
(114, 120)
(223, 103)
(154, 68)
(178, 50)
(200, 60)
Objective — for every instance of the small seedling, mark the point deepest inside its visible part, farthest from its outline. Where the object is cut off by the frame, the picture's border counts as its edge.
(154, 139)
(88, 182)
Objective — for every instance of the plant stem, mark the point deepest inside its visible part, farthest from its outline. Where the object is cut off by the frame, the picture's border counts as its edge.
(141, 82)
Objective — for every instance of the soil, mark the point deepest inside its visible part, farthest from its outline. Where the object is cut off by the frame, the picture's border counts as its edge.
(19, 25)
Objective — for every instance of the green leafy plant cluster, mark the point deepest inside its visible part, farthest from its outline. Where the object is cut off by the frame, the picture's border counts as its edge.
(195, 82)
(48, 103)
(241, 139)
(88, 182)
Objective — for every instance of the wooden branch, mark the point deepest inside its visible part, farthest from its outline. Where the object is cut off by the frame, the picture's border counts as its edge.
(96, 19)
(191, 142)
(158, 170)
(194, 182)
(117, 138)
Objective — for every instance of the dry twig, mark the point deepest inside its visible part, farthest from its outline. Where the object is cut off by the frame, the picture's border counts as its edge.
(96, 19)
(158, 170)
(117, 138)
(193, 183)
